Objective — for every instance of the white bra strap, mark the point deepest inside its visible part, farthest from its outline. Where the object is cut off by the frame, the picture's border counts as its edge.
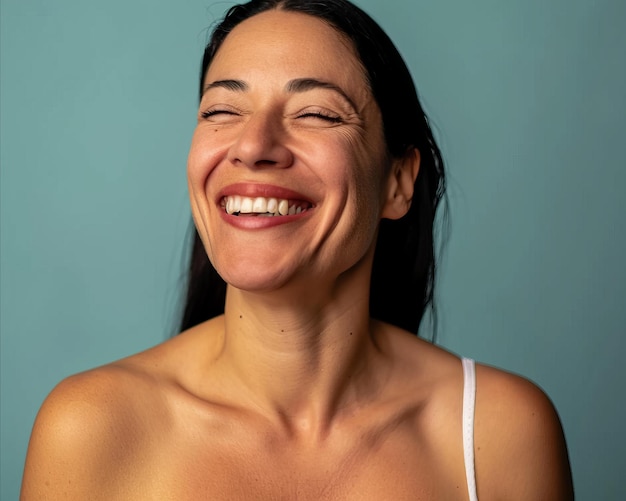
(469, 401)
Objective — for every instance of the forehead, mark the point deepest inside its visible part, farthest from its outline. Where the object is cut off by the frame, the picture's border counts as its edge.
(287, 44)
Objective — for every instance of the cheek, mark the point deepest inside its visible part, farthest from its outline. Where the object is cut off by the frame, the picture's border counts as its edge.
(369, 178)
(204, 155)
(208, 149)
(200, 160)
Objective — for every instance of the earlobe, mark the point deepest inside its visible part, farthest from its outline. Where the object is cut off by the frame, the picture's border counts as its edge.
(400, 184)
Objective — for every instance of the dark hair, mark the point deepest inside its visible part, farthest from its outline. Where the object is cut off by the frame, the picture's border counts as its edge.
(403, 273)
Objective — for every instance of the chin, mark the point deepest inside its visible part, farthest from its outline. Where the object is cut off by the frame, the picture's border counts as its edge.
(253, 278)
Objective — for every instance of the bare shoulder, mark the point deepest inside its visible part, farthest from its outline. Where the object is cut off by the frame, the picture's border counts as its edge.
(519, 443)
(83, 432)
(96, 430)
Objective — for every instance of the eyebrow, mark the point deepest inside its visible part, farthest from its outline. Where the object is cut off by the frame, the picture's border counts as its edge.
(234, 85)
(296, 85)
(305, 84)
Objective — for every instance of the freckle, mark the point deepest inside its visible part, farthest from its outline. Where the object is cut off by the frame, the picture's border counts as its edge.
(282, 330)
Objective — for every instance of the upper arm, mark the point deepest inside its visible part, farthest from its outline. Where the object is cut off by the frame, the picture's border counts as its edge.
(519, 443)
(73, 453)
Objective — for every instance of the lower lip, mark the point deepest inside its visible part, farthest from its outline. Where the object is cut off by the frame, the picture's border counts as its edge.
(261, 222)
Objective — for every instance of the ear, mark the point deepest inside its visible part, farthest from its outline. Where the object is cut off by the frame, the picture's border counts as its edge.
(400, 184)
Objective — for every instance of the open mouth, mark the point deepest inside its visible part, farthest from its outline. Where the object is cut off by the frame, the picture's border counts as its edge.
(261, 206)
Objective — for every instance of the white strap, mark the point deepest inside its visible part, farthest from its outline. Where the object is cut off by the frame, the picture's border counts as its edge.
(469, 401)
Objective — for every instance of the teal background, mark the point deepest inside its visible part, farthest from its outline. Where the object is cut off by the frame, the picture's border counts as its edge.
(527, 99)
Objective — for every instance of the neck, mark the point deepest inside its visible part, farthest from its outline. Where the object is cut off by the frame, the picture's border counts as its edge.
(307, 361)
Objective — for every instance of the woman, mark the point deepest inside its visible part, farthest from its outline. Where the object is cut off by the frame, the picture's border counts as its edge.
(310, 148)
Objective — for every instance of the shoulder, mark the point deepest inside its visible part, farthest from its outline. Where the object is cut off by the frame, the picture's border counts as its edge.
(519, 443)
(85, 430)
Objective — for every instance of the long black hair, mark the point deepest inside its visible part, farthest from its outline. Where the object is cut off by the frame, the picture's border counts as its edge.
(403, 273)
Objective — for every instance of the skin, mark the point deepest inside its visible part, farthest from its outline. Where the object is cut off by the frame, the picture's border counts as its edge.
(294, 393)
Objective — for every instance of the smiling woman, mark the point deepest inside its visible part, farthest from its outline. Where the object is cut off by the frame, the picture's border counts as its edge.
(314, 181)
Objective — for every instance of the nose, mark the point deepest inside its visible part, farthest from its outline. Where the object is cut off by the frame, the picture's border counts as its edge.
(261, 143)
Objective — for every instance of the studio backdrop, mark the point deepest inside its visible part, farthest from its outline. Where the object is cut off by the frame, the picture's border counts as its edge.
(98, 104)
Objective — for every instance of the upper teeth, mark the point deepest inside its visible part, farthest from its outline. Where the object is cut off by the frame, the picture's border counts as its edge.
(261, 205)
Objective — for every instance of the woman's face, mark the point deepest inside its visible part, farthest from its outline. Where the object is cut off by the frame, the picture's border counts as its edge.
(288, 165)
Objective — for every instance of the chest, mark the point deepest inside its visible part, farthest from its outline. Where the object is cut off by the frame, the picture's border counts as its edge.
(397, 469)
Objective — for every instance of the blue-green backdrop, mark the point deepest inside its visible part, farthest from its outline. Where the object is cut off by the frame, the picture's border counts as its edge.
(527, 98)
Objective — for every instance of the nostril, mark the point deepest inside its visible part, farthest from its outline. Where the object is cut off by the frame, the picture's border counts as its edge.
(262, 163)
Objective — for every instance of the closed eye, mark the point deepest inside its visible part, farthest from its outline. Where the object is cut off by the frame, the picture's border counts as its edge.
(212, 113)
(322, 116)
